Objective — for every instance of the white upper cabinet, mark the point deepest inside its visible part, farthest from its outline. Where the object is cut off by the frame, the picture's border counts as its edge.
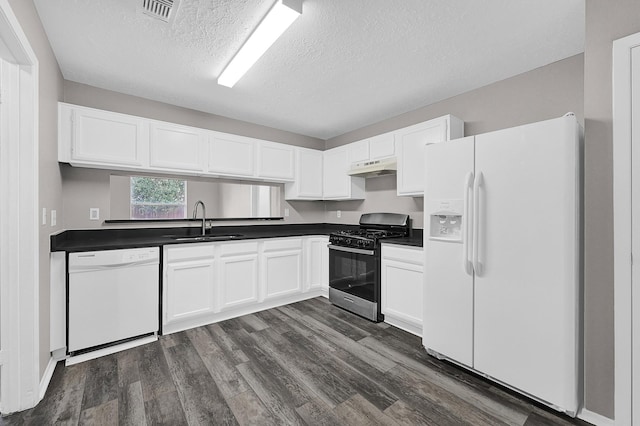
(382, 146)
(231, 155)
(375, 148)
(176, 147)
(307, 182)
(93, 138)
(101, 138)
(337, 184)
(275, 161)
(243, 157)
(359, 151)
(410, 143)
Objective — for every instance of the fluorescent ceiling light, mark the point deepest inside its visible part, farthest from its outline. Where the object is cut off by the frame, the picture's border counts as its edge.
(279, 18)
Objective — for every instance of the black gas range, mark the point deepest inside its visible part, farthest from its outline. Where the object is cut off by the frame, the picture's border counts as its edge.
(354, 262)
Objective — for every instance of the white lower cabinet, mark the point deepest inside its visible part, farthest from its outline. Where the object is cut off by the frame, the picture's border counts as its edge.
(189, 283)
(402, 285)
(316, 253)
(281, 268)
(238, 274)
(210, 282)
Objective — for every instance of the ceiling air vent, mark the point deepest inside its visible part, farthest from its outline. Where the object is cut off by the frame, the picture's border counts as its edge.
(159, 9)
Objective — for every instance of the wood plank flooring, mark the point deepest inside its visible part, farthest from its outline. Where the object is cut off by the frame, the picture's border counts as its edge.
(308, 363)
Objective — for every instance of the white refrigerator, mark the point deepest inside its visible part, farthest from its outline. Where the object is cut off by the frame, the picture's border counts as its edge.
(502, 257)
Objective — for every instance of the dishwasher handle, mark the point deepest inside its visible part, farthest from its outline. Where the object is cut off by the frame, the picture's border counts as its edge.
(111, 259)
(84, 268)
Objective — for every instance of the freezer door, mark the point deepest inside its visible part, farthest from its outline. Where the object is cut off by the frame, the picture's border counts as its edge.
(526, 292)
(448, 291)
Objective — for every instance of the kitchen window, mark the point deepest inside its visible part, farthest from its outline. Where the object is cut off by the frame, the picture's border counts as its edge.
(158, 198)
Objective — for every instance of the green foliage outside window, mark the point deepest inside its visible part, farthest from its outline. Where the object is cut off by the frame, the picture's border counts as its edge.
(157, 198)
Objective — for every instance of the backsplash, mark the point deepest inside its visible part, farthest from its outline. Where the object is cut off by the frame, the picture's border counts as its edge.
(380, 197)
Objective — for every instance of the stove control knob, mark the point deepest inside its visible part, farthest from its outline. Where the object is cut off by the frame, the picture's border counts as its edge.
(348, 240)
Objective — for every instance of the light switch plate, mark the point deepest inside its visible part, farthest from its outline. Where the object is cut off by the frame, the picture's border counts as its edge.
(44, 215)
(339, 213)
(54, 218)
(286, 212)
(94, 213)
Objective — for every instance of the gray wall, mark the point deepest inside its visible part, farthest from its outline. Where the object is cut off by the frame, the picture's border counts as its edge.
(222, 198)
(50, 183)
(605, 22)
(87, 188)
(543, 93)
(540, 94)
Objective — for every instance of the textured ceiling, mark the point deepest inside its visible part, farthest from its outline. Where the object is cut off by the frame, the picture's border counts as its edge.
(342, 65)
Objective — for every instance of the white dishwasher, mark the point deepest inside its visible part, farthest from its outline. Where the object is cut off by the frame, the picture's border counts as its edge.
(113, 295)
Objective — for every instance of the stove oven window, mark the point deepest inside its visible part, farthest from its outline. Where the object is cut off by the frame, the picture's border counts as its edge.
(353, 273)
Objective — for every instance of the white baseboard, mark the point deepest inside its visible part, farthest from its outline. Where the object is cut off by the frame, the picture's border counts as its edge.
(46, 377)
(403, 325)
(109, 350)
(236, 312)
(595, 418)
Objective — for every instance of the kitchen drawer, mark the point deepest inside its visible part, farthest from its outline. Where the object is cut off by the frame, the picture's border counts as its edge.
(283, 244)
(406, 254)
(238, 247)
(189, 251)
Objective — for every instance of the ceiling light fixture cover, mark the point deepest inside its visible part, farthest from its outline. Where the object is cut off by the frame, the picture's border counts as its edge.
(276, 22)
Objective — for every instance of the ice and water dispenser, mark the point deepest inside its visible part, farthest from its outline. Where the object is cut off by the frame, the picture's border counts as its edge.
(446, 220)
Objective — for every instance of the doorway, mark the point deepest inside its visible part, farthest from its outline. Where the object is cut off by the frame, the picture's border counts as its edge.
(19, 245)
(626, 210)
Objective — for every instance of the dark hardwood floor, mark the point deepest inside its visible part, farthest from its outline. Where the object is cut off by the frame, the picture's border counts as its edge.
(306, 363)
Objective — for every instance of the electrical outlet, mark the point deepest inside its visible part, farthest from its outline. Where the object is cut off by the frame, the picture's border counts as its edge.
(339, 214)
(286, 212)
(94, 213)
(54, 218)
(44, 215)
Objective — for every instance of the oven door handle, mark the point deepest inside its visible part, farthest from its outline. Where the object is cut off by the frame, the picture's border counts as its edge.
(351, 250)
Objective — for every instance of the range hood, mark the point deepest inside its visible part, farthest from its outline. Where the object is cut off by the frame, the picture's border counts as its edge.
(385, 166)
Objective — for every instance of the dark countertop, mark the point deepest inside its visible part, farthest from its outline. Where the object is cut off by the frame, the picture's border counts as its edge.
(109, 239)
(415, 240)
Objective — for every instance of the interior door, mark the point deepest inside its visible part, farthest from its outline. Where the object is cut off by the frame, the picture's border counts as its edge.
(448, 291)
(635, 237)
(526, 291)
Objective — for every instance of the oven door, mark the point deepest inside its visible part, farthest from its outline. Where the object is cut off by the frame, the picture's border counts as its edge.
(354, 271)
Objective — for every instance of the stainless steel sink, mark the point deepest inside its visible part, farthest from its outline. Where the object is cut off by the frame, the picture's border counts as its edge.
(206, 237)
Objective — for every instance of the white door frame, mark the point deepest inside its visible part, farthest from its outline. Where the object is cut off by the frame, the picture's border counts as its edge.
(19, 245)
(622, 216)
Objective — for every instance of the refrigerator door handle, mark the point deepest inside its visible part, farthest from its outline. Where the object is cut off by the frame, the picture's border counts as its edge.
(466, 224)
(477, 267)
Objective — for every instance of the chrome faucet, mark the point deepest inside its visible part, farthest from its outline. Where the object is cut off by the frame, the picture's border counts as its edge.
(204, 214)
